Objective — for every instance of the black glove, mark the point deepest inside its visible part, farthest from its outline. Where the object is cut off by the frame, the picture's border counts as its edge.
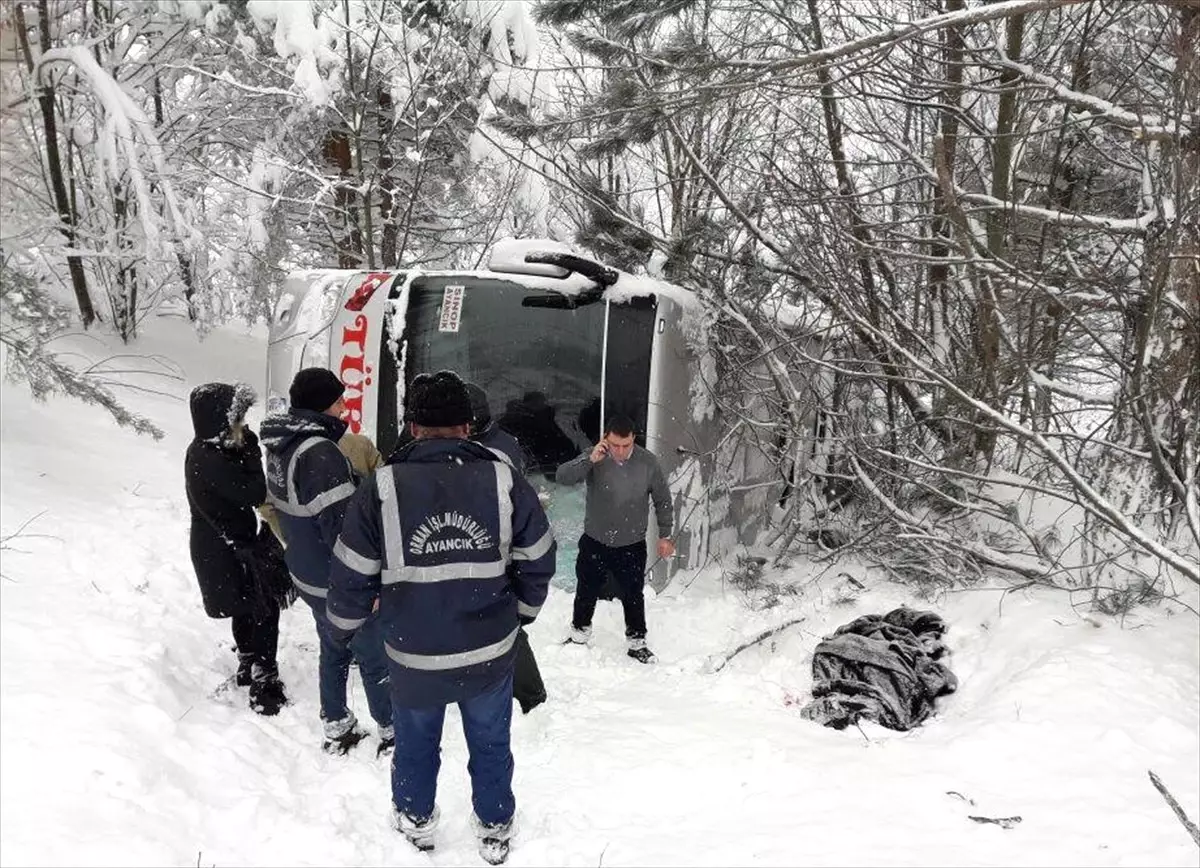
(525, 620)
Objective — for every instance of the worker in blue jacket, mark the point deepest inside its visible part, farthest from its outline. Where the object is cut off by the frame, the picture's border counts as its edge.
(309, 483)
(454, 548)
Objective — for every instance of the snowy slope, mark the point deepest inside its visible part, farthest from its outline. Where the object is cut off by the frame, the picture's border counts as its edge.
(116, 749)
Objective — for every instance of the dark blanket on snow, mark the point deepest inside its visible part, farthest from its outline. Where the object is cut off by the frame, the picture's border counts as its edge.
(883, 668)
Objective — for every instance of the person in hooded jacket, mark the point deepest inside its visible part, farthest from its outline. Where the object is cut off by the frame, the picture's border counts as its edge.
(309, 483)
(223, 477)
(453, 548)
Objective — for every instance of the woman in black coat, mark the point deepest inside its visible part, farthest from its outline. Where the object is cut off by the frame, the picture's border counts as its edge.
(224, 480)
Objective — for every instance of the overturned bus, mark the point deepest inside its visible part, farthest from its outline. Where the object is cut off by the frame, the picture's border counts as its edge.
(558, 343)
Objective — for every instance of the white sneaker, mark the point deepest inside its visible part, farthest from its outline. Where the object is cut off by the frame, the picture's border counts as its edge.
(640, 652)
(335, 729)
(420, 835)
(580, 636)
(494, 840)
(342, 735)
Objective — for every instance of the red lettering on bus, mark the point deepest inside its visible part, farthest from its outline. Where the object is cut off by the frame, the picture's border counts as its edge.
(353, 371)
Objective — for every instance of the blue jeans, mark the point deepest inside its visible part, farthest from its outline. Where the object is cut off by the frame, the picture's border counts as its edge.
(487, 719)
(334, 669)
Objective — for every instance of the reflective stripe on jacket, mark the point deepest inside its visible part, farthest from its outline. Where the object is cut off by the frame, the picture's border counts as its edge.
(457, 548)
(309, 484)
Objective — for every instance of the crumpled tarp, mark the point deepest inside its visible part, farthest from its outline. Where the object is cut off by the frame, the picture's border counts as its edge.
(883, 668)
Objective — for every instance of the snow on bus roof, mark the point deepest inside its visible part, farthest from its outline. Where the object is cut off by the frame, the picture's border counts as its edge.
(507, 260)
(632, 286)
(508, 257)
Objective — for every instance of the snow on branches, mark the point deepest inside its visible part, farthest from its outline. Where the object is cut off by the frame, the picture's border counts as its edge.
(126, 142)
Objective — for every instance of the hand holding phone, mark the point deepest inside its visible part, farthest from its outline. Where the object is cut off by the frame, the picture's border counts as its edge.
(598, 452)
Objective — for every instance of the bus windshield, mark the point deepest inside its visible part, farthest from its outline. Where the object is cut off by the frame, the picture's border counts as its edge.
(539, 359)
(538, 365)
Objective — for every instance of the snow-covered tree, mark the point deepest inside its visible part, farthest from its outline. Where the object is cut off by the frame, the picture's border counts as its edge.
(984, 214)
(86, 158)
(368, 156)
(29, 321)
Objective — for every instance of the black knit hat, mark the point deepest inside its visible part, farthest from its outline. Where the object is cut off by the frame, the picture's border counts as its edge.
(315, 389)
(438, 400)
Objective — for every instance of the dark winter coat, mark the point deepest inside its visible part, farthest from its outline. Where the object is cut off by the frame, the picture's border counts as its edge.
(494, 437)
(309, 483)
(489, 434)
(224, 483)
(457, 549)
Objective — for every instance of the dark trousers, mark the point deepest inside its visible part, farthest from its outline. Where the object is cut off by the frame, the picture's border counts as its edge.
(257, 638)
(528, 688)
(487, 723)
(333, 669)
(627, 564)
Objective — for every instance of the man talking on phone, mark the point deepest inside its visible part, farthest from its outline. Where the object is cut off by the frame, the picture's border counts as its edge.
(620, 476)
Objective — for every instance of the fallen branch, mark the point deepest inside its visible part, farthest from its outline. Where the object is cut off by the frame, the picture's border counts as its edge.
(4, 540)
(1193, 830)
(767, 634)
(1002, 822)
(1031, 568)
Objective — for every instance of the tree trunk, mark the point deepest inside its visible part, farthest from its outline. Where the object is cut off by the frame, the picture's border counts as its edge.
(87, 313)
(182, 257)
(1046, 317)
(388, 234)
(337, 155)
(125, 297)
(987, 314)
(860, 231)
(939, 250)
(1164, 386)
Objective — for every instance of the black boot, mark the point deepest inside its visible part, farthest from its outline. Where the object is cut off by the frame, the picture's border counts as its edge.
(494, 850)
(245, 670)
(267, 695)
(343, 744)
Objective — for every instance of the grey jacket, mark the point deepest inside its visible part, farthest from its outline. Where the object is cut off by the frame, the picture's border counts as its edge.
(616, 512)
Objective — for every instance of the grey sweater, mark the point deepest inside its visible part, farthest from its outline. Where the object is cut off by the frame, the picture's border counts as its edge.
(616, 496)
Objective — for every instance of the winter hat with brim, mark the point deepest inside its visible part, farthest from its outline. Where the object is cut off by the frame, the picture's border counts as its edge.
(315, 389)
(438, 401)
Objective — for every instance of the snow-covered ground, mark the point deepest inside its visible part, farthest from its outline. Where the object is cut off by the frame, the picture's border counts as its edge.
(116, 749)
